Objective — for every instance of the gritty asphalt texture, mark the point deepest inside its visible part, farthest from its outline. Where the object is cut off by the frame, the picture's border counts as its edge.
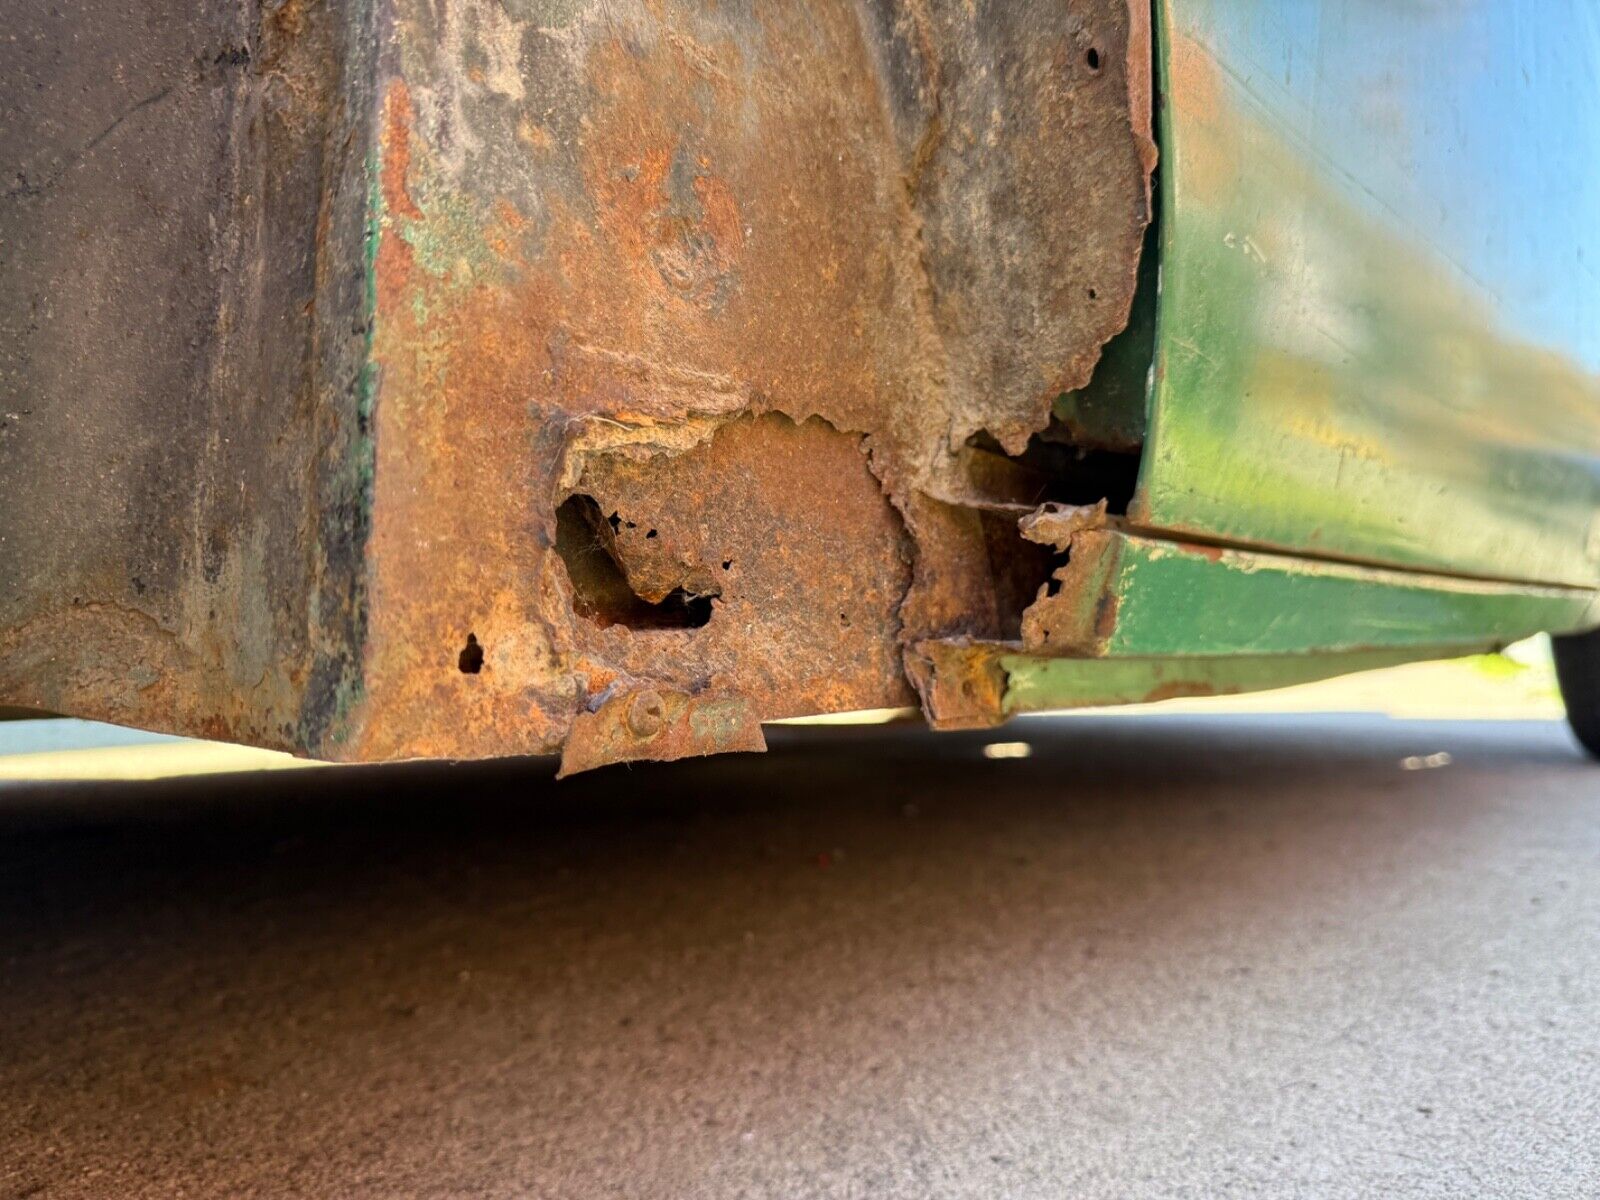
(1189, 956)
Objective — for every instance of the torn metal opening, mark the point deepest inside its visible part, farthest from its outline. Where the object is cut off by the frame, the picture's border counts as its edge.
(586, 540)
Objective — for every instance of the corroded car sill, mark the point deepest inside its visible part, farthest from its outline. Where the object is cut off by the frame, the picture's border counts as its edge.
(752, 326)
(551, 356)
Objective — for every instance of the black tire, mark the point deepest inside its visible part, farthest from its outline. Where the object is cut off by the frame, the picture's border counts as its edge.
(1578, 669)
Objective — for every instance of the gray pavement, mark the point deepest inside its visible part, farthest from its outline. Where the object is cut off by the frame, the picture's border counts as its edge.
(1160, 957)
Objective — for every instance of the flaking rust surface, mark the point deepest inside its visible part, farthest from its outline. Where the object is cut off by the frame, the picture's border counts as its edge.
(786, 525)
(746, 278)
(1076, 613)
(318, 315)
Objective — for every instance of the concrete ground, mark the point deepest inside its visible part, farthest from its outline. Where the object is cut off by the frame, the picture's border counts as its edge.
(1162, 956)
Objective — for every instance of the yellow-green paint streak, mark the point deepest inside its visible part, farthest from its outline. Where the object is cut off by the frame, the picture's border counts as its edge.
(1042, 684)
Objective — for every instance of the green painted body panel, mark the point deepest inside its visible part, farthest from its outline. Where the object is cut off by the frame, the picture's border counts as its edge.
(1372, 424)
(1125, 596)
(1041, 684)
(1110, 412)
(1379, 318)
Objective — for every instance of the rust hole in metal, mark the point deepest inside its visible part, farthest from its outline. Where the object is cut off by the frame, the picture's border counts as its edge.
(1025, 572)
(471, 658)
(1055, 468)
(601, 593)
(1092, 58)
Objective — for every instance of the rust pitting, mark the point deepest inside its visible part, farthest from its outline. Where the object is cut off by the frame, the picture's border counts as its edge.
(730, 361)
(650, 263)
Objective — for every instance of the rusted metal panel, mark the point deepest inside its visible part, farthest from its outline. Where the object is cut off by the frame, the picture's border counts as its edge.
(457, 303)
(746, 278)
(182, 341)
(458, 378)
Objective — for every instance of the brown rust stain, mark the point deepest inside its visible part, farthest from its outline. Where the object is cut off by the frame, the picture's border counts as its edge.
(1105, 615)
(290, 18)
(1179, 689)
(1199, 550)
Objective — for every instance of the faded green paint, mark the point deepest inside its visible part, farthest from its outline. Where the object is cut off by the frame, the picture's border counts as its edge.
(1364, 352)
(1379, 330)
(361, 463)
(448, 239)
(1040, 684)
(1127, 596)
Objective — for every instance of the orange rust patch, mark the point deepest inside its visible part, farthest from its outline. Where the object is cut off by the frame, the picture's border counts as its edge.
(661, 726)
(962, 684)
(509, 216)
(1199, 550)
(395, 149)
(1196, 88)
